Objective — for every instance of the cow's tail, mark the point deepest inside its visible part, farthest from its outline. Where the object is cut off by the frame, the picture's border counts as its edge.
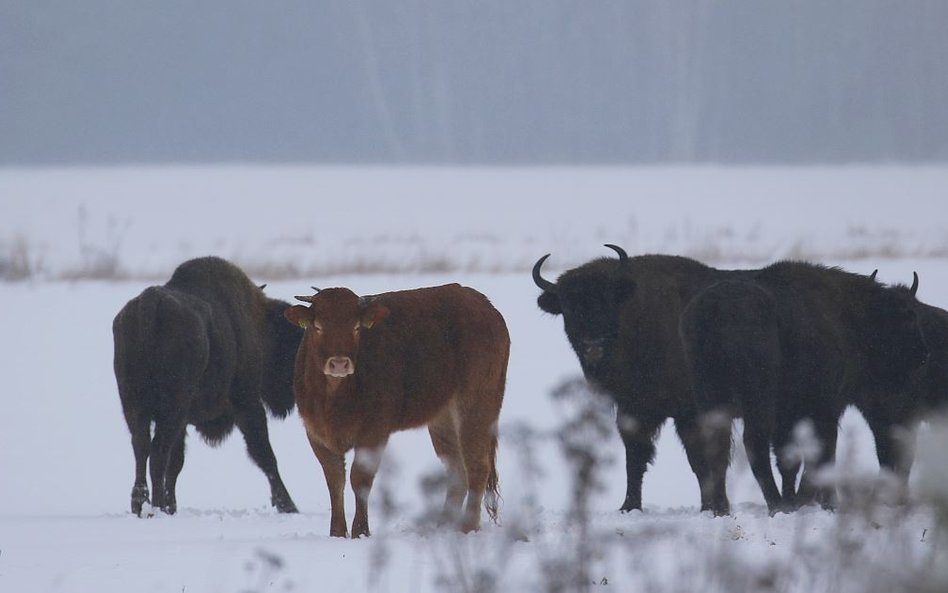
(492, 493)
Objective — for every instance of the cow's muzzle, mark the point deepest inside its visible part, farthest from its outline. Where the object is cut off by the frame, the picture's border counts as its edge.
(339, 366)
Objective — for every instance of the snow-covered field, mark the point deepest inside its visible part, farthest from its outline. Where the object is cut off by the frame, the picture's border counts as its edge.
(65, 459)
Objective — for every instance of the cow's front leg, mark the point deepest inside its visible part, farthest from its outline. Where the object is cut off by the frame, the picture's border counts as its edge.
(638, 436)
(364, 467)
(334, 468)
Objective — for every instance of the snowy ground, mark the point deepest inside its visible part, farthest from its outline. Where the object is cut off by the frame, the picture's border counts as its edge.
(66, 463)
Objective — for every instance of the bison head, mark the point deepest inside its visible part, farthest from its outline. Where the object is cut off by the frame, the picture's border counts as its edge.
(895, 339)
(590, 300)
(333, 323)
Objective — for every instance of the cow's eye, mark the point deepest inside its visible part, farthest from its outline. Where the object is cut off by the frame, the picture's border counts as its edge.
(317, 328)
(357, 328)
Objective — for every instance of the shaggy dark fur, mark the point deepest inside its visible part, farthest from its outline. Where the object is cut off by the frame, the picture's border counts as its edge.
(894, 420)
(623, 318)
(792, 342)
(208, 349)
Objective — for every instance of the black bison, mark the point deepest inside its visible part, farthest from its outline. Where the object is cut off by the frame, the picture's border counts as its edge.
(896, 418)
(370, 366)
(209, 349)
(623, 318)
(794, 342)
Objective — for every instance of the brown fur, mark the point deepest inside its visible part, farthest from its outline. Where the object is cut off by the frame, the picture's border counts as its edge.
(434, 357)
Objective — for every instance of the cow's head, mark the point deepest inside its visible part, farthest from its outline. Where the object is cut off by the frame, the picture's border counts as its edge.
(895, 339)
(333, 324)
(590, 299)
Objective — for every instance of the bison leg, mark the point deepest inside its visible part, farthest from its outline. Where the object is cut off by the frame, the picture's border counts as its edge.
(141, 445)
(715, 426)
(444, 437)
(690, 435)
(758, 403)
(638, 435)
(757, 446)
(334, 468)
(789, 462)
(252, 423)
(175, 463)
(813, 487)
(168, 433)
(895, 445)
(365, 465)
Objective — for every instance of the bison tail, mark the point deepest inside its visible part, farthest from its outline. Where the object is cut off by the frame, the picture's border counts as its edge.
(277, 404)
(492, 494)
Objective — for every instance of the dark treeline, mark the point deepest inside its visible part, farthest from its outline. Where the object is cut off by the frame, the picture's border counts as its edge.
(493, 81)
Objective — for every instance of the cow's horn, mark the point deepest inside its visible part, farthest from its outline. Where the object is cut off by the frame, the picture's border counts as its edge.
(914, 288)
(872, 276)
(307, 299)
(622, 254)
(542, 283)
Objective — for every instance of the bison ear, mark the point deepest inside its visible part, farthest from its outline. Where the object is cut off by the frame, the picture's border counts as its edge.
(374, 313)
(549, 302)
(298, 315)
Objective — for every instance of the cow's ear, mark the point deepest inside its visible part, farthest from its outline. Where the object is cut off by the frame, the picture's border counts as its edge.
(549, 302)
(374, 313)
(299, 315)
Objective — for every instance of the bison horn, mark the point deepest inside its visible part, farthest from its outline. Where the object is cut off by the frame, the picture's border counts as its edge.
(914, 288)
(622, 254)
(542, 283)
(872, 276)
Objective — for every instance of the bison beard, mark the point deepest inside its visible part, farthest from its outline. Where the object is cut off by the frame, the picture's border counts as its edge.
(209, 349)
(753, 342)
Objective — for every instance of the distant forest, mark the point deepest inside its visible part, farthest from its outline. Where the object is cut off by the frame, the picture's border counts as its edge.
(473, 82)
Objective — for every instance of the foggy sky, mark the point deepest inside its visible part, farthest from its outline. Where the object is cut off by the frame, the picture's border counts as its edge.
(486, 82)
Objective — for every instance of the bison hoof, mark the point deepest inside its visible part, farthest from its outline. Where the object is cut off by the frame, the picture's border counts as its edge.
(629, 506)
(285, 505)
(140, 499)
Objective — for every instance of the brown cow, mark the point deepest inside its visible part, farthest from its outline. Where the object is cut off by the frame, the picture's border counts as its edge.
(368, 367)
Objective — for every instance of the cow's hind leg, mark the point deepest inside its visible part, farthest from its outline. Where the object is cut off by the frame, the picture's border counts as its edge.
(444, 436)
(477, 437)
(252, 422)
